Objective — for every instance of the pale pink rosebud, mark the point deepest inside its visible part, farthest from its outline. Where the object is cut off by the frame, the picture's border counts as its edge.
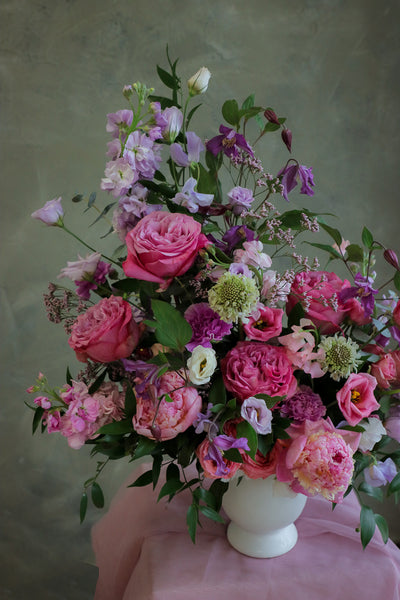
(198, 83)
(287, 138)
(391, 257)
(271, 116)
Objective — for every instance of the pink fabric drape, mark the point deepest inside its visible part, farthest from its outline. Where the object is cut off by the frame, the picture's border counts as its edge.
(144, 552)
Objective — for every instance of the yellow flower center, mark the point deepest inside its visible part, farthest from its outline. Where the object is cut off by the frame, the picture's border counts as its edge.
(355, 396)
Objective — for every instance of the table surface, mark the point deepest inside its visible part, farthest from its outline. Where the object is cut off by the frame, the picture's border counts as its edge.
(144, 552)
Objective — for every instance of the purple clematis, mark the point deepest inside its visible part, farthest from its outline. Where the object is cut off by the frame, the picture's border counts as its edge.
(229, 142)
(291, 173)
(220, 444)
(362, 290)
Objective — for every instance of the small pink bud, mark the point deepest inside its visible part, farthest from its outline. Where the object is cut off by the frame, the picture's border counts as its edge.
(287, 138)
(391, 257)
(156, 432)
(271, 116)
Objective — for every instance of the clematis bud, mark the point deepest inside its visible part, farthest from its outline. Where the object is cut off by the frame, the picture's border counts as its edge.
(391, 257)
(198, 83)
(287, 138)
(51, 214)
(271, 116)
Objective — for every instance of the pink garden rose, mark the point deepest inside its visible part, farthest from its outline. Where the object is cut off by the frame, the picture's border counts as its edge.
(356, 398)
(105, 332)
(261, 466)
(171, 418)
(252, 368)
(264, 323)
(163, 246)
(210, 467)
(319, 459)
(316, 290)
(384, 370)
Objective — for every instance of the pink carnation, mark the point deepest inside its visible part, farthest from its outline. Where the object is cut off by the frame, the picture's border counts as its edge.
(162, 420)
(163, 246)
(252, 368)
(105, 332)
(264, 323)
(356, 398)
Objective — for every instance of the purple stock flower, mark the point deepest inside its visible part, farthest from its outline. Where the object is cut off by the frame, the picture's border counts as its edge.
(381, 473)
(241, 199)
(51, 213)
(289, 176)
(194, 147)
(131, 209)
(256, 412)
(206, 325)
(119, 177)
(229, 142)
(362, 290)
(191, 199)
(120, 120)
(304, 405)
(142, 154)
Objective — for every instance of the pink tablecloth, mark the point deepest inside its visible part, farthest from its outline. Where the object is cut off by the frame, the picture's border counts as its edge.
(144, 552)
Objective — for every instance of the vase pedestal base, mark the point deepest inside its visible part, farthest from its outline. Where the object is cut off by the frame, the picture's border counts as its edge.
(262, 545)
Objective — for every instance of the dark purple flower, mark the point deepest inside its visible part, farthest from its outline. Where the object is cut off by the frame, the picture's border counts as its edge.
(286, 136)
(146, 381)
(305, 405)
(289, 176)
(229, 142)
(271, 116)
(236, 235)
(206, 325)
(391, 257)
(363, 290)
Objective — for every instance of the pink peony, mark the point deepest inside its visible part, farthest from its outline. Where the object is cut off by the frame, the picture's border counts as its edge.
(384, 370)
(356, 398)
(163, 246)
(264, 323)
(318, 293)
(252, 368)
(162, 420)
(105, 332)
(319, 459)
(210, 466)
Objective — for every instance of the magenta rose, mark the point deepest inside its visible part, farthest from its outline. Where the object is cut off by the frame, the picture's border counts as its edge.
(264, 324)
(396, 314)
(252, 368)
(163, 246)
(164, 420)
(356, 398)
(105, 332)
(316, 290)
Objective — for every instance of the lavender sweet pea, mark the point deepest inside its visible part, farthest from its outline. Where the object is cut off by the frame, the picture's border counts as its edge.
(194, 147)
(220, 444)
(381, 473)
(191, 199)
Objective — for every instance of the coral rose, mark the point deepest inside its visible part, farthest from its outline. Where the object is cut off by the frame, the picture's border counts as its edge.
(163, 246)
(212, 467)
(252, 368)
(164, 420)
(105, 332)
(262, 466)
(356, 398)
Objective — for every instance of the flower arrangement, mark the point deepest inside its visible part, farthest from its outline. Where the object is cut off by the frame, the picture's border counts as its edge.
(206, 338)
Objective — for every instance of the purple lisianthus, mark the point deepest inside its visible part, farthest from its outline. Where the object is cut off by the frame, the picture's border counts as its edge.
(194, 147)
(87, 273)
(381, 473)
(240, 199)
(256, 412)
(289, 176)
(142, 154)
(363, 290)
(191, 199)
(51, 213)
(304, 405)
(229, 142)
(206, 324)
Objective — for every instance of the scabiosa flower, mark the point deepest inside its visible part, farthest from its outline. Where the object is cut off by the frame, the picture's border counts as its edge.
(304, 405)
(233, 297)
(229, 142)
(341, 356)
(206, 324)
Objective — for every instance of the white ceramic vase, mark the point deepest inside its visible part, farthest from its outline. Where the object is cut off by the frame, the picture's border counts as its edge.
(262, 514)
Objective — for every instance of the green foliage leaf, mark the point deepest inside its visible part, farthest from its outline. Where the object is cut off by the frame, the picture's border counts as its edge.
(191, 520)
(92, 199)
(156, 470)
(167, 79)
(234, 455)
(334, 233)
(296, 314)
(206, 496)
(396, 280)
(355, 253)
(367, 524)
(83, 507)
(374, 492)
(97, 495)
(172, 330)
(249, 102)
(144, 479)
(334, 253)
(269, 127)
(165, 102)
(265, 443)
(230, 112)
(383, 527)
(37, 418)
(170, 488)
(212, 514)
(97, 383)
(117, 427)
(244, 429)
(191, 113)
(103, 213)
(394, 485)
(217, 394)
(144, 447)
(206, 183)
(173, 471)
(68, 377)
(367, 238)
(77, 198)
(130, 401)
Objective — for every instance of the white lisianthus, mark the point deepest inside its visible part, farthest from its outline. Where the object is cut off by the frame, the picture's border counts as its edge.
(201, 365)
(198, 83)
(374, 430)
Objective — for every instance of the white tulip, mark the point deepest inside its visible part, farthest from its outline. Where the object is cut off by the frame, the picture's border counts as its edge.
(201, 365)
(198, 83)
